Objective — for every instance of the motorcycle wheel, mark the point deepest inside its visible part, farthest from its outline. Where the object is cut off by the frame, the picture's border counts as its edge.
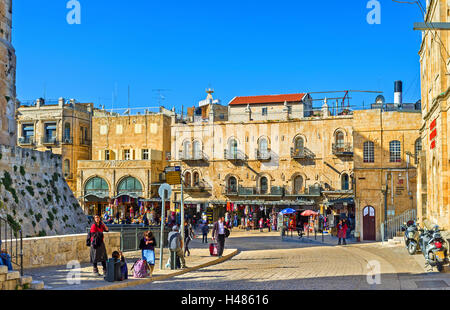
(440, 267)
(412, 248)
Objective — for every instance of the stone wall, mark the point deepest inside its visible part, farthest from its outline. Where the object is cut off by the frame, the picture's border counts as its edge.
(59, 250)
(34, 196)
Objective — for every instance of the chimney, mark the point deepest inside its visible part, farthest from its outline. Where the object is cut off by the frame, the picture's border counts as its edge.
(398, 92)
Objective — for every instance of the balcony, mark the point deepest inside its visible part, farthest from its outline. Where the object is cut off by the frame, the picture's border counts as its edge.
(311, 191)
(345, 149)
(191, 157)
(67, 140)
(302, 153)
(235, 155)
(275, 191)
(198, 187)
(263, 155)
(49, 140)
(26, 140)
(230, 191)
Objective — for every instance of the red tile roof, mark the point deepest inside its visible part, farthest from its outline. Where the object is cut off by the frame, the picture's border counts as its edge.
(267, 99)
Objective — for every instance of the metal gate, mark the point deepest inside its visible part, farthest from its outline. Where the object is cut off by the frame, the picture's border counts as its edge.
(11, 243)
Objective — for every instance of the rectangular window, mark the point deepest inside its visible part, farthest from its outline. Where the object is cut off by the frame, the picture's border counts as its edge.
(126, 155)
(50, 132)
(107, 155)
(145, 154)
(395, 152)
(264, 111)
(369, 156)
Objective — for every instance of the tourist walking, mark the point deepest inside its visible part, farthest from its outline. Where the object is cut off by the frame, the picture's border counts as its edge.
(147, 245)
(98, 249)
(176, 245)
(342, 232)
(205, 231)
(261, 224)
(218, 234)
(188, 236)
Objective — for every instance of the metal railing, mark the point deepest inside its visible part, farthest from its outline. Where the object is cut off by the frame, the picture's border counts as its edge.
(26, 140)
(303, 153)
(394, 225)
(131, 235)
(49, 140)
(262, 155)
(195, 156)
(234, 155)
(11, 243)
(343, 149)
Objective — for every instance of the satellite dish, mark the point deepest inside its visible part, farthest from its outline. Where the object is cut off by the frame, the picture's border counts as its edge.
(380, 99)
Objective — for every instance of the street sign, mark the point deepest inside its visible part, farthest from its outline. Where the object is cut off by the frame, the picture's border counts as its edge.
(174, 168)
(173, 177)
(165, 191)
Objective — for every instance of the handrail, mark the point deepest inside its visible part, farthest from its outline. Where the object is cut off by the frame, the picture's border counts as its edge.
(394, 225)
(15, 249)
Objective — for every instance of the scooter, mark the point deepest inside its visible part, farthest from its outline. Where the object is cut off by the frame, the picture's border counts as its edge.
(411, 237)
(434, 248)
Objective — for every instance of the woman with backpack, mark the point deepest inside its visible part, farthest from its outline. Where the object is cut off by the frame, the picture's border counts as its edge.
(98, 249)
(147, 245)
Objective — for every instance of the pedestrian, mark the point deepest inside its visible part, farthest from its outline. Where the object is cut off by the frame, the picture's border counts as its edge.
(5, 259)
(98, 249)
(261, 224)
(147, 245)
(176, 245)
(218, 234)
(205, 231)
(188, 236)
(268, 223)
(342, 232)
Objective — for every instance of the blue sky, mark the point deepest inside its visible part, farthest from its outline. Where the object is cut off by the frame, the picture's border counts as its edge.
(238, 48)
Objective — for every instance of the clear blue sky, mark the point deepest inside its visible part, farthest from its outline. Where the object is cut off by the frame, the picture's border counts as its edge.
(238, 47)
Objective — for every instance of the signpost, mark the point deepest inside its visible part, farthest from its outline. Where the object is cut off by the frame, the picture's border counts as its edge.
(164, 192)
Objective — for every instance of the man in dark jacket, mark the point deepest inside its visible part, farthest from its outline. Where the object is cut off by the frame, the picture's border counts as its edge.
(218, 233)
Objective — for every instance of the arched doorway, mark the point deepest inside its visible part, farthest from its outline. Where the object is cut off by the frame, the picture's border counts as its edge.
(369, 224)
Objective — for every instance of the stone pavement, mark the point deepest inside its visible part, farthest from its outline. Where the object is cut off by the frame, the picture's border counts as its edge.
(55, 278)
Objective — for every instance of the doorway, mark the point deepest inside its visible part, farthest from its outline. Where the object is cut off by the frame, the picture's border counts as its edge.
(369, 227)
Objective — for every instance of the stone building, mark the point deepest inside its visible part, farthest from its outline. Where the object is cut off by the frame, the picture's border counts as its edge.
(62, 127)
(280, 156)
(7, 77)
(433, 188)
(129, 154)
(386, 145)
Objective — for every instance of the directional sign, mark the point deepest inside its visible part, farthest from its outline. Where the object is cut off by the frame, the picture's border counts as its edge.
(174, 168)
(173, 177)
(165, 191)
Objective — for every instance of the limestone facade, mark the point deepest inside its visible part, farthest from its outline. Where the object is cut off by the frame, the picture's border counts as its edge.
(433, 189)
(7, 77)
(129, 154)
(385, 171)
(63, 127)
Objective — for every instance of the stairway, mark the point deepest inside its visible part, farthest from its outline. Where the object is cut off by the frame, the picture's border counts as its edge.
(11, 280)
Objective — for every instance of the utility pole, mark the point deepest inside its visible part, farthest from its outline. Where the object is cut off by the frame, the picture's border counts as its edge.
(182, 214)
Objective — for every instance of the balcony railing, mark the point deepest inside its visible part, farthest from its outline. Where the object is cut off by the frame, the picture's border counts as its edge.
(67, 140)
(312, 190)
(49, 140)
(197, 156)
(302, 153)
(234, 155)
(26, 140)
(198, 187)
(230, 191)
(262, 155)
(345, 149)
(253, 191)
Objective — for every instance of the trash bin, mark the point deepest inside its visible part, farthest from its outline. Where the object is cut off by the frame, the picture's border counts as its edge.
(113, 270)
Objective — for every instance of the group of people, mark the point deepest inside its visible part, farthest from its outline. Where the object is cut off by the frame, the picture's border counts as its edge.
(146, 219)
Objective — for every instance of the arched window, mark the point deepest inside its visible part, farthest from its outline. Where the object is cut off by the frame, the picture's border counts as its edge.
(232, 185)
(299, 144)
(197, 150)
(417, 150)
(345, 184)
(233, 145)
(395, 151)
(129, 184)
(369, 156)
(263, 146)
(187, 150)
(96, 185)
(66, 131)
(263, 183)
(196, 179)
(66, 168)
(340, 140)
(187, 179)
(298, 184)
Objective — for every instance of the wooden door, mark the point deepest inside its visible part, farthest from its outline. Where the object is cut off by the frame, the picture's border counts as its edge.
(369, 227)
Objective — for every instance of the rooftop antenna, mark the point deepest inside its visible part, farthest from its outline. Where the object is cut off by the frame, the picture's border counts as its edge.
(160, 96)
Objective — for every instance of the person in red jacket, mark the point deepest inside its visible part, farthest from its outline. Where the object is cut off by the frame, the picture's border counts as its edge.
(98, 249)
(342, 232)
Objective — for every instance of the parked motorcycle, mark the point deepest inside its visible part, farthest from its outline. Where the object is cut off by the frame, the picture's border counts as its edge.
(411, 237)
(434, 248)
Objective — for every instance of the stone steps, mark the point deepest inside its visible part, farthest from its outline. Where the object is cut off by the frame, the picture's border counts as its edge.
(11, 280)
